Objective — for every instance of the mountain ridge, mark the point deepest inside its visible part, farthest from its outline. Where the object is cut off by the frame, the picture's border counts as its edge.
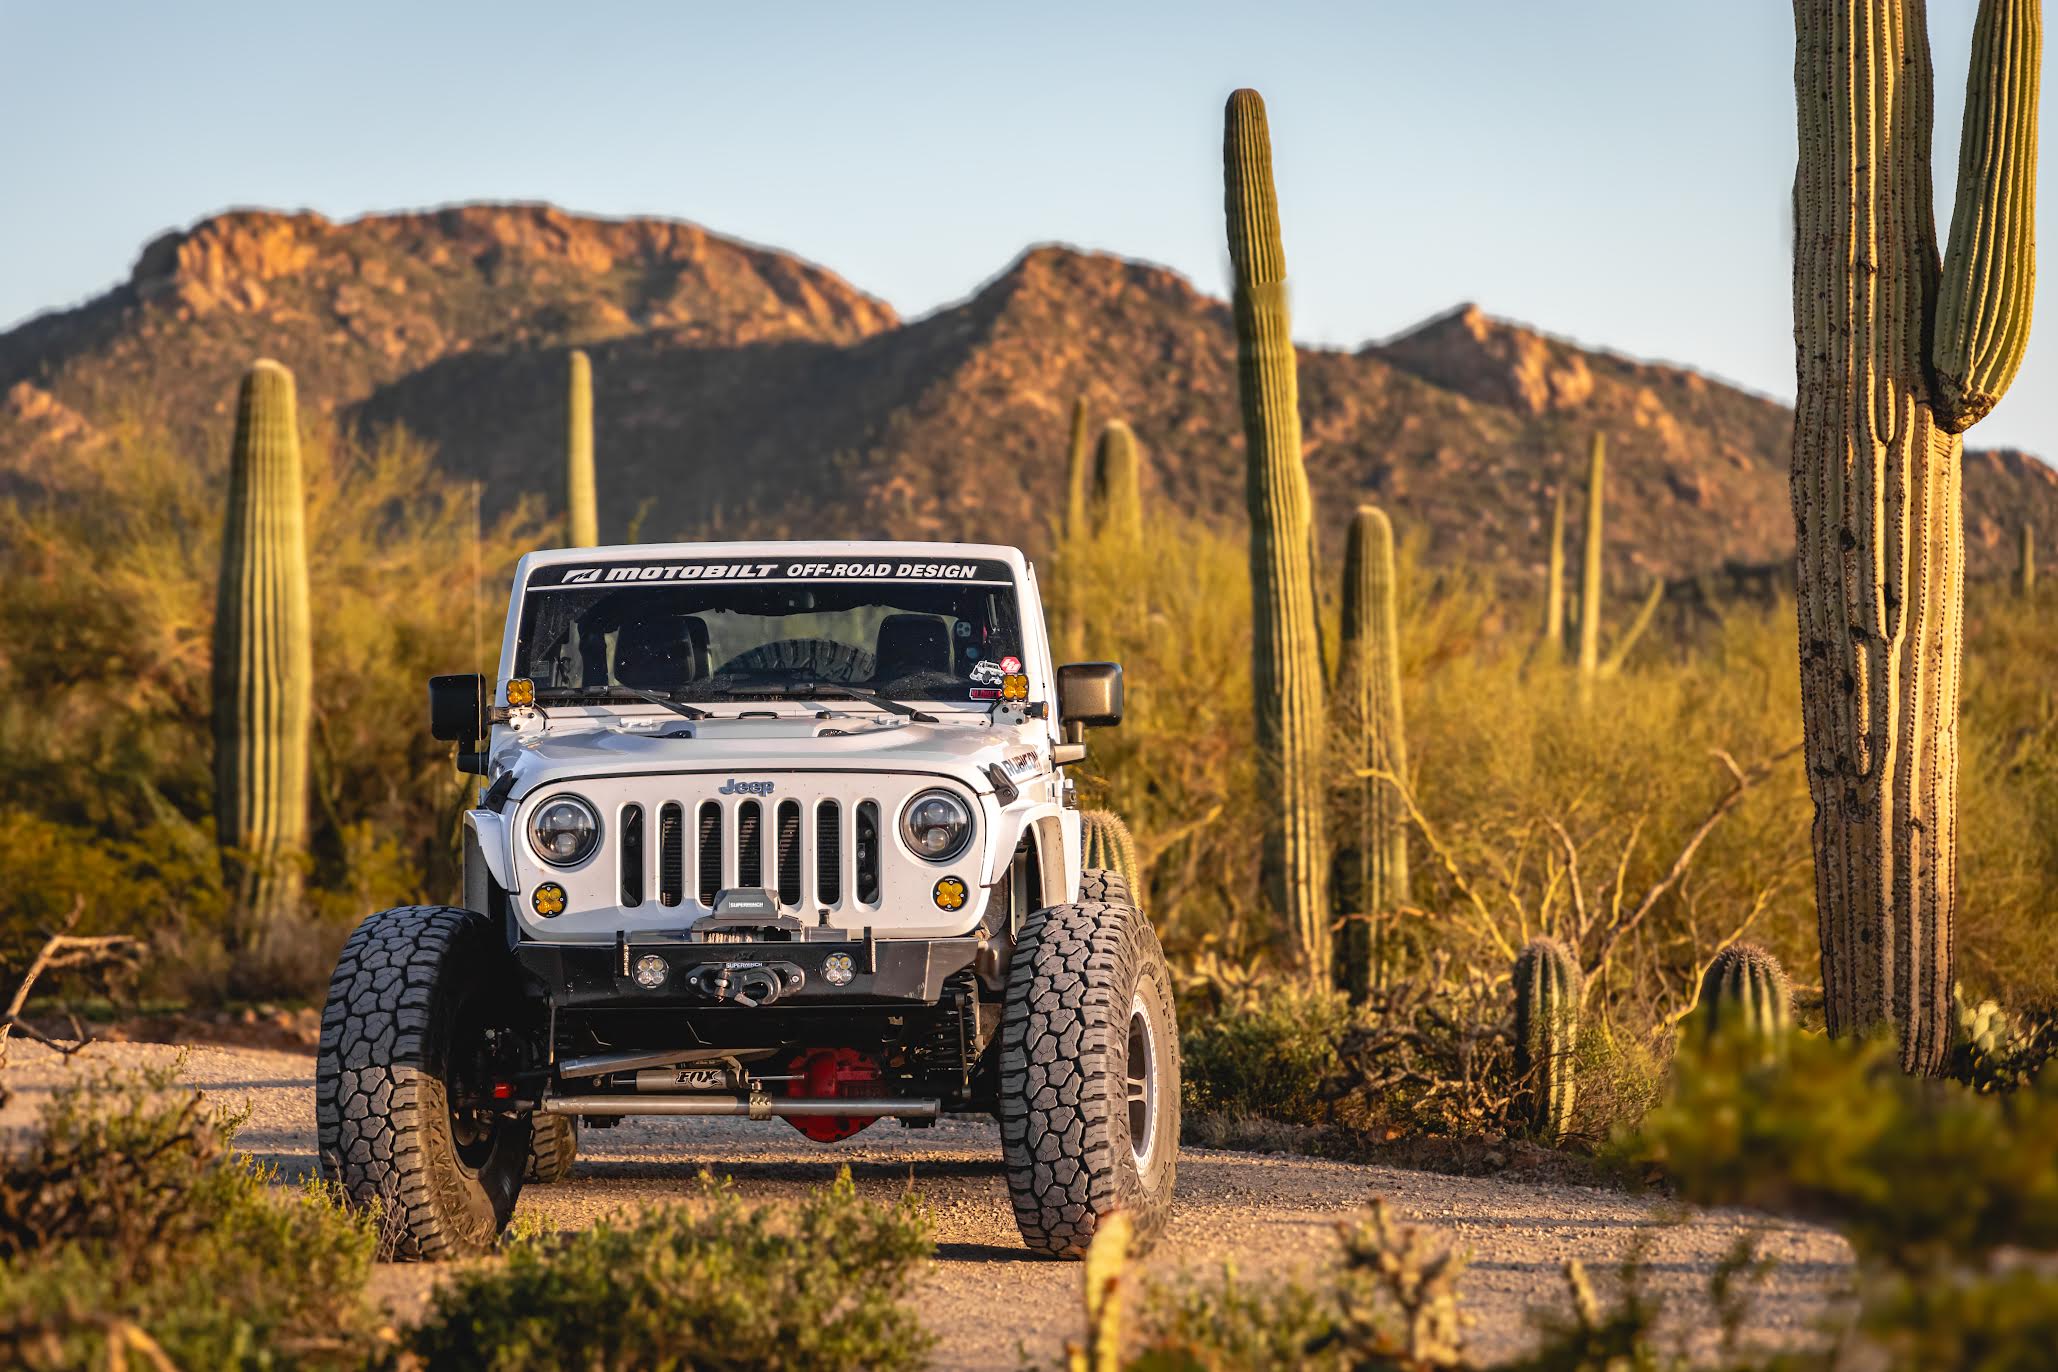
(741, 390)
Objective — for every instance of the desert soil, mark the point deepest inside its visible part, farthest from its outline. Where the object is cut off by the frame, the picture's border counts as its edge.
(987, 1299)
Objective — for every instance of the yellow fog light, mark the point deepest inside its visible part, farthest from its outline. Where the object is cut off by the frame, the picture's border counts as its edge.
(521, 691)
(1014, 686)
(548, 899)
(950, 894)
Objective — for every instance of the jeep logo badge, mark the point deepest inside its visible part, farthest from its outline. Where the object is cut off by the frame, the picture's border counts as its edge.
(733, 787)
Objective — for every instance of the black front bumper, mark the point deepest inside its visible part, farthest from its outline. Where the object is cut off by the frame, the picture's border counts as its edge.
(879, 971)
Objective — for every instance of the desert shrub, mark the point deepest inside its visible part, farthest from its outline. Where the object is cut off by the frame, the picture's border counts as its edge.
(821, 1285)
(129, 1209)
(1275, 1058)
(1914, 1172)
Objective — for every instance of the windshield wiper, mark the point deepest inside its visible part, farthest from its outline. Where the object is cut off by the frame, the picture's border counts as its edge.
(804, 689)
(678, 707)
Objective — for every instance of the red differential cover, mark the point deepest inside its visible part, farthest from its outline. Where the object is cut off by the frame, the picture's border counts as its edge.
(826, 1073)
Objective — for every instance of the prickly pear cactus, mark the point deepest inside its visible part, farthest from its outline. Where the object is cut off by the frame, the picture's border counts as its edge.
(1118, 485)
(582, 518)
(1744, 993)
(263, 659)
(1286, 652)
(1376, 865)
(1547, 991)
(1899, 350)
(1106, 845)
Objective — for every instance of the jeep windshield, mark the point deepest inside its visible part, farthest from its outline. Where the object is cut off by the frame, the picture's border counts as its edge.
(712, 630)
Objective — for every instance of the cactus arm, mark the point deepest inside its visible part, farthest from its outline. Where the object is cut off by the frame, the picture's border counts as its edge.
(1645, 613)
(1989, 273)
(1287, 672)
(582, 519)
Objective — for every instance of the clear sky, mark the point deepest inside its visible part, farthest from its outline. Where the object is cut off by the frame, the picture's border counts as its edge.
(1616, 171)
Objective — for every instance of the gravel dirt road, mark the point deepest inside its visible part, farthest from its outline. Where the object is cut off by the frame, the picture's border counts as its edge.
(985, 1297)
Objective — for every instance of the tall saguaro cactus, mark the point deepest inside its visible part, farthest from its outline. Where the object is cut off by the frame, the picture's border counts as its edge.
(582, 517)
(1898, 354)
(1072, 538)
(1590, 577)
(1554, 583)
(1118, 485)
(1377, 864)
(1286, 666)
(263, 659)
(1078, 473)
(2026, 561)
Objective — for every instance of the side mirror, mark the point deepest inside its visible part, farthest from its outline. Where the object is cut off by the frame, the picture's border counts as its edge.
(1089, 696)
(457, 707)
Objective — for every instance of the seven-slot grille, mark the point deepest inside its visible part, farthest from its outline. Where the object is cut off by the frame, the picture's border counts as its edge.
(798, 850)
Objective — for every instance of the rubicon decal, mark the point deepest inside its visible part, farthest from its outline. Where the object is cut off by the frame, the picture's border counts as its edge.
(615, 573)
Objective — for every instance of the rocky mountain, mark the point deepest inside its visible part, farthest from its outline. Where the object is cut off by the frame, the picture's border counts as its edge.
(739, 390)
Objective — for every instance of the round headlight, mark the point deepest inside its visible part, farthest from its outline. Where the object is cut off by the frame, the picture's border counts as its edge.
(564, 831)
(936, 825)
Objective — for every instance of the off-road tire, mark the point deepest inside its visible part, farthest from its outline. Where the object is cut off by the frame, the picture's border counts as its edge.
(1078, 973)
(382, 1119)
(553, 1147)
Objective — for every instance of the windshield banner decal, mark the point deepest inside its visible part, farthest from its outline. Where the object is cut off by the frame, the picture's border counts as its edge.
(572, 576)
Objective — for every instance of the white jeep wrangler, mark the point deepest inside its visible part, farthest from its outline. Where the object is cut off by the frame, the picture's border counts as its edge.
(769, 830)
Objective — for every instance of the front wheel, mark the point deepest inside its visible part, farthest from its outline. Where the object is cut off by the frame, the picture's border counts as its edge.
(1089, 1072)
(420, 1024)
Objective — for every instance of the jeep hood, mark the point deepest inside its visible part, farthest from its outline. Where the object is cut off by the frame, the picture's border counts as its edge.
(959, 745)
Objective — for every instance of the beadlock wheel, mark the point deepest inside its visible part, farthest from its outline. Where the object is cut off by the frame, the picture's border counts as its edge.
(1089, 1072)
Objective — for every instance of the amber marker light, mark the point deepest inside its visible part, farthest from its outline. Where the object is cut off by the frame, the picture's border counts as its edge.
(1014, 686)
(950, 894)
(521, 691)
(548, 900)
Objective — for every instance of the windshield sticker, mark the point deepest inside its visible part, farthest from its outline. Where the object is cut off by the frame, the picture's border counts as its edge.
(572, 576)
(987, 673)
(1010, 665)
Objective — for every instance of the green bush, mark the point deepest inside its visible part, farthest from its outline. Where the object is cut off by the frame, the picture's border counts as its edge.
(130, 1210)
(723, 1285)
(1275, 1059)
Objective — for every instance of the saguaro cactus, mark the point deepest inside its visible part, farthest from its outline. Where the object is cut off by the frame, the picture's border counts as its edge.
(582, 518)
(263, 659)
(1377, 864)
(2026, 561)
(1118, 485)
(1898, 354)
(1744, 992)
(1286, 665)
(1590, 576)
(1078, 473)
(1106, 844)
(1554, 583)
(1547, 991)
